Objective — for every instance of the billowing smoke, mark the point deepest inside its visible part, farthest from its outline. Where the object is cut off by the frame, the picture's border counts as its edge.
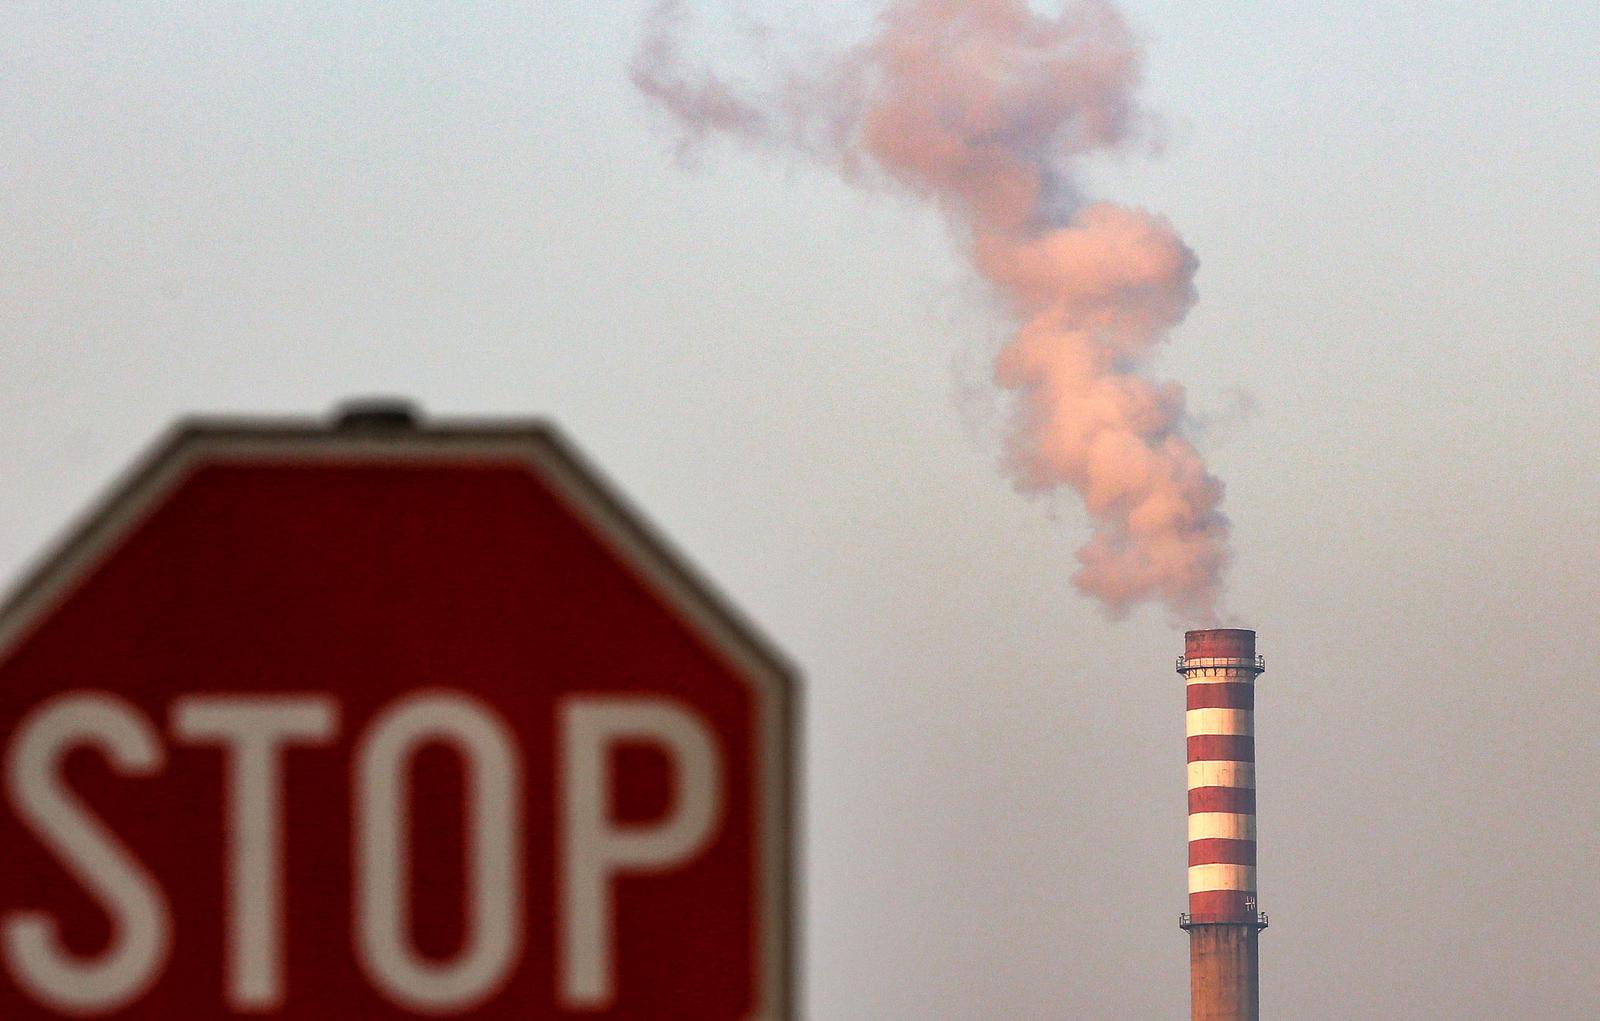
(987, 108)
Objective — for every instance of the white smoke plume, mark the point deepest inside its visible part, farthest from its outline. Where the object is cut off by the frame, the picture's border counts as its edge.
(986, 108)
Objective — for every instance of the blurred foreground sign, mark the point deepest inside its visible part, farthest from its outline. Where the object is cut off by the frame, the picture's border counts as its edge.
(382, 721)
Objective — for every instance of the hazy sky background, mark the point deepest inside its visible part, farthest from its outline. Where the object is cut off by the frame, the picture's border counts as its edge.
(265, 208)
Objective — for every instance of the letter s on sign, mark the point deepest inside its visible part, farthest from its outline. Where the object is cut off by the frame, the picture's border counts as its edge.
(141, 923)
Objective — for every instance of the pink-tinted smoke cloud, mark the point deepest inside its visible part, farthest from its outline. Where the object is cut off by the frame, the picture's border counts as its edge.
(985, 108)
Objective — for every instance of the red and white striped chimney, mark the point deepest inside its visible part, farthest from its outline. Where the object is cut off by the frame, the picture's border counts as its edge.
(1220, 667)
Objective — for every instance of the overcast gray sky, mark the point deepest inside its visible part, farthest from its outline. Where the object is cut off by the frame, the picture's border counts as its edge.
(265, 208)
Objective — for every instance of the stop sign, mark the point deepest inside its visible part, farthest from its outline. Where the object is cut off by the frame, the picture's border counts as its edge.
(380, 721)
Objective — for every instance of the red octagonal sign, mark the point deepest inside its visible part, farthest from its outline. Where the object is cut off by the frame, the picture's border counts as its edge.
(384, 722)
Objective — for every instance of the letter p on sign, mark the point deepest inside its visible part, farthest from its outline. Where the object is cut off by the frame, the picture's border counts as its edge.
(386, 722)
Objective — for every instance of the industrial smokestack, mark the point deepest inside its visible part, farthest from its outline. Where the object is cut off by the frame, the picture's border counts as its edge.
(1220, 667)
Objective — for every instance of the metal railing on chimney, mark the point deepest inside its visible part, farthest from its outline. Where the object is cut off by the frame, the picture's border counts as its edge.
(1220, 663)
(1185, 922)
